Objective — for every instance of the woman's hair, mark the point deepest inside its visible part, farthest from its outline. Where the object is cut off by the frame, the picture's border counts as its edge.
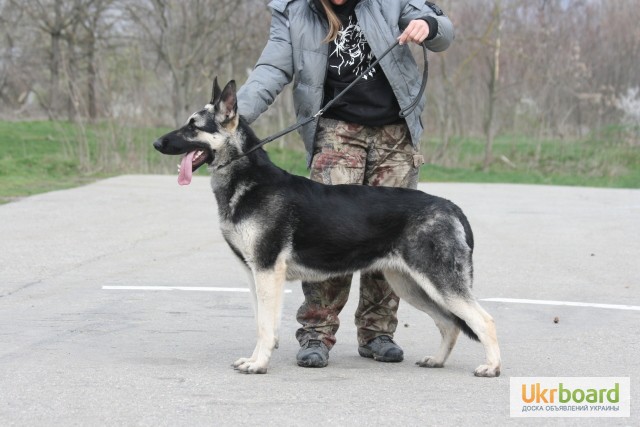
(334, 22)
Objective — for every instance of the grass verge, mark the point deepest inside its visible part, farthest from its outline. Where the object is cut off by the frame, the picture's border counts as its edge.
(42, 156)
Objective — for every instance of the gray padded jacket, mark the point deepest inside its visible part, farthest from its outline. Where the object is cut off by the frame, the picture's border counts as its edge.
(295, 51)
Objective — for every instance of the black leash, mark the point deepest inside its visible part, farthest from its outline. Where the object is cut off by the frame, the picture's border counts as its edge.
(403, 113)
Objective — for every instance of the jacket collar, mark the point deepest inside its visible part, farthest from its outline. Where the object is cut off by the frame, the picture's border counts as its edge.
(317, 6)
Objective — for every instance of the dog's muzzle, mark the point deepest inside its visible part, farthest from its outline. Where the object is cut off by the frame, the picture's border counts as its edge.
(164, 146)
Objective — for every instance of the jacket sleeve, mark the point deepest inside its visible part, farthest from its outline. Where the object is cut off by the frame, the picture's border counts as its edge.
(419, 9)
(271, 74)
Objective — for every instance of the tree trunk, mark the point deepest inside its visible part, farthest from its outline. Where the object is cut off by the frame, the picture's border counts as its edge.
(494, 68)
(91, 80)
(54, 79)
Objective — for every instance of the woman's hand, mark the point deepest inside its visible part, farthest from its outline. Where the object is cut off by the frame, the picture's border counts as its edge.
(416, 32)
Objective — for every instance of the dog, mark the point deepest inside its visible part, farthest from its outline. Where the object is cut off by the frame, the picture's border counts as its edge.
(286, 227)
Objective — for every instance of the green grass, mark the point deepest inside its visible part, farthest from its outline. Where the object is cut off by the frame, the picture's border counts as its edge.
(42, 156)
(593, 161)
(33, 159)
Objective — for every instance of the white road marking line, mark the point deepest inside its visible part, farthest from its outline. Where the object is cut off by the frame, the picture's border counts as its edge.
(566, 303)
(179, 288)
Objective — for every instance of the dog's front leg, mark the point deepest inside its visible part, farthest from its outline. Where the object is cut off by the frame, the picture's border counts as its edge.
(254, 305)
(269, 285)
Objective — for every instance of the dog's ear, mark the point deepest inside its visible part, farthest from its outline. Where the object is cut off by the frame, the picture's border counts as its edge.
(227, 106)
(215, 92)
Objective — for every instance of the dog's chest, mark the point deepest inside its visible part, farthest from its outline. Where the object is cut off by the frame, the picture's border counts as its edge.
(241, 236)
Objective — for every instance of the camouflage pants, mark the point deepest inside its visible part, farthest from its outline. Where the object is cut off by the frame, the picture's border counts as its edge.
(347, 153)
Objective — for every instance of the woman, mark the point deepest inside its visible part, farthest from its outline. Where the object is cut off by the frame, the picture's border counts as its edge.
(323, 45)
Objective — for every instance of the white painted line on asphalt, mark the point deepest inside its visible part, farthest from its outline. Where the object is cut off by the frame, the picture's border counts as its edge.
(566, 303)
(179, 288)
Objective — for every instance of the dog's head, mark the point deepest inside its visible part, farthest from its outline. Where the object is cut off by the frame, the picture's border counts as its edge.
(205, 133)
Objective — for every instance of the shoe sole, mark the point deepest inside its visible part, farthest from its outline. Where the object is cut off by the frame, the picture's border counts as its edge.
(313, 360)
(303, 364)
(365, 352)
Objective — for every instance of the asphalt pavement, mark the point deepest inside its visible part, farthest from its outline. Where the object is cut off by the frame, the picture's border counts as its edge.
(90, 335)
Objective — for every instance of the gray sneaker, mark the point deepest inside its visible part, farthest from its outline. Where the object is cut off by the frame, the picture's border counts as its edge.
(382, 349)
(314, 354)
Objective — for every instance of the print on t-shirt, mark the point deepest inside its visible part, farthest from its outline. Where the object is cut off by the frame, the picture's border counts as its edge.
(352, 53)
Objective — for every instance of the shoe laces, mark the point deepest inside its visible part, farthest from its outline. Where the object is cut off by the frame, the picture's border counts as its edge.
(385, 338)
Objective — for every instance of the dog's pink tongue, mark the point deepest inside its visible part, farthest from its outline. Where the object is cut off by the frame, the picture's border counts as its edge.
(186, 169)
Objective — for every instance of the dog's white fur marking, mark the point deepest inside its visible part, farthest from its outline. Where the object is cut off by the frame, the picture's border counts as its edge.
(461, 237)
(198, 119)
(267, 288)
(237, 142)
(484, 327)
(218, 141)
(449, 332)
(300, 272)
(215, 141)
(243, 236)
(269, 291)
(402, 285)
(240, 191)
(254, 305)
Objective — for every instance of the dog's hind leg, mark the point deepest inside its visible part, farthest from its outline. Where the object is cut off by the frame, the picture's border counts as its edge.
(466, 313)
(449, 332)
(439, 260)
(269, 285)
(483, 326)
(407, 289)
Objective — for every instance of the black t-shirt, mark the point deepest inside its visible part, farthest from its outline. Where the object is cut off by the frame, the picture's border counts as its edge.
(371, 102)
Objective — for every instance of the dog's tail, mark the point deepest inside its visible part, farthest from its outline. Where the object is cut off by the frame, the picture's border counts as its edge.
(464, 328)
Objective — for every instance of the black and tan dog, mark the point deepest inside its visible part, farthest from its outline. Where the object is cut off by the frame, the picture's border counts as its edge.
(286, 227)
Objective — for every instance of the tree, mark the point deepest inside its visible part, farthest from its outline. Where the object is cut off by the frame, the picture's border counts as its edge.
(96, 21)
(54, 18)
(186, 38)
(493, 63)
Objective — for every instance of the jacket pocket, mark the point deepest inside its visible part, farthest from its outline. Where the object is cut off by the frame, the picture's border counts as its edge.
(305, 99)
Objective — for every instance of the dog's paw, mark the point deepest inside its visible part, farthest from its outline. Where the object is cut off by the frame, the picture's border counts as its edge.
(241, 362)
(430, 362)
(487, 371)
(251, 367)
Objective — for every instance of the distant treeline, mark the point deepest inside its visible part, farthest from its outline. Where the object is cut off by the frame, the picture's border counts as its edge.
(544, 68)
